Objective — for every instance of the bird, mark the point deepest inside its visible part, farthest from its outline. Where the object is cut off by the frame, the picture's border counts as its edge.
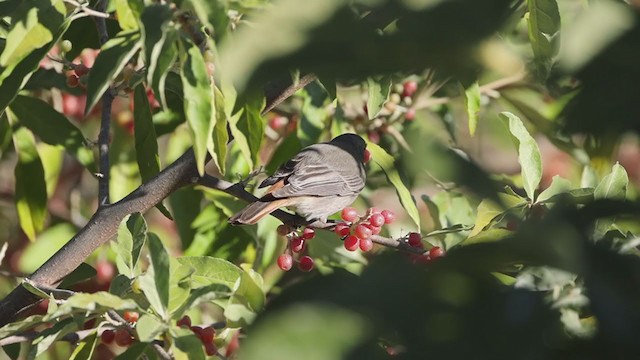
(318, 181)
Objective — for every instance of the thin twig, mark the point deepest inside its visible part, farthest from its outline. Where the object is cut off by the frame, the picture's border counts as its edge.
(290, 90)
(87, 10)
(105, 122)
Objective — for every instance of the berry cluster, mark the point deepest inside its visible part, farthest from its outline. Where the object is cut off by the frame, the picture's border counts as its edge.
(357, 230)
(398, 107)
(205, 334)
(415, 240)
(122, 336)
(296, 244)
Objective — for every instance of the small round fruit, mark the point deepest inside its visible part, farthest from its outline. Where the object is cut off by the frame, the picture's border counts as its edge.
(410, 114)
(409, 88)
(73, 81)
(415, 240)
(349, 214)
(278, 122)
(436, 252)
(105, 271)
(306, 264)
(207, 334)
(123, 338)
(389, 216)
(342, 229)
(185, 321)
(375, 230)
(107, 336)
(131, 316)
(351, 243)
(308, 233)
(297, 244)
(66, 46)
(363, 232)
(376, 220)
(285, 262)
(366, 244)
(210, 348)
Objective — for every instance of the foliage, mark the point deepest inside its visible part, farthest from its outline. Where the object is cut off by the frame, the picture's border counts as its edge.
(503, 135)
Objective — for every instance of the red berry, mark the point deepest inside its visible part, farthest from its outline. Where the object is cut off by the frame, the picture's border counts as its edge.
(210, 348)
(197, 331)
(363, 232)
(374, 136)
(349, 214)
(207, 334)
(389, 216)
(409, 88)
(297, 244)
(283, 230)
(342, 229)
(376, 220)
(131, 316)
(375, 230)
(351, 243)
(306, 264)
(374, 210)
(278, 122)
(72, 80)
(415, 240)
(123, 338)
(233, 346)
(285, 262)
(105, 272)
(367, 157)
(185, 321)
(308, 233)
(107, 336)
(436, 252)
(410, 114)
(366, 244)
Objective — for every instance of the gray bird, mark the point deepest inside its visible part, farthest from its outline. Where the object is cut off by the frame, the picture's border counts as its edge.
(317, 182)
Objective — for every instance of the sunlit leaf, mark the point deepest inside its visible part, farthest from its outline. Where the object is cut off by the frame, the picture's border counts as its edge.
(127, 17)
(544, 33)
(378, 90)
(472, 103)
(387, 163)
(614, 185)
(528, 154)
(132, 234)
(148, 327)
(209, 270)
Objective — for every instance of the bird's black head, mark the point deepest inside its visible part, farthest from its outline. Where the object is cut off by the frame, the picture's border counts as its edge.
(351, 143)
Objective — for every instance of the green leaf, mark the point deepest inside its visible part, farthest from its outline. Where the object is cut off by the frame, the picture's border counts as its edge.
(132, 234)
(252, 125)
(86, 348)
(159, 46)
(202, 294)
(161, 268)
(113, 57)
(134, 351)
(220, 136)
(179, 285)
(558, 185)
(20, 326)
(327, 332)
(127, 18)
(489, 235)
(489, 210)
(83, 272)
(33, 27)
(52, 128)
(386, 162)
(30, 186)
(145, 136)
(248, 290)
(101, 300)
(187, 345)
(378, 94)
(209, 270)
(149, 327)
(544, 33)
(614, 185)
(240, 140)
(47, 337)
(312, 122)
(198, 100)
(51, 158)
(528, 154)
(472, 103)
(120, 285)
(285, 151)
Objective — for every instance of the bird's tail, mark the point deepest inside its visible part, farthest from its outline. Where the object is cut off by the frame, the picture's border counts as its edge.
(254, 212)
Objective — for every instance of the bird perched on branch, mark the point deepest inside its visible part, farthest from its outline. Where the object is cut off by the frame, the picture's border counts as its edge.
(318, 181)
